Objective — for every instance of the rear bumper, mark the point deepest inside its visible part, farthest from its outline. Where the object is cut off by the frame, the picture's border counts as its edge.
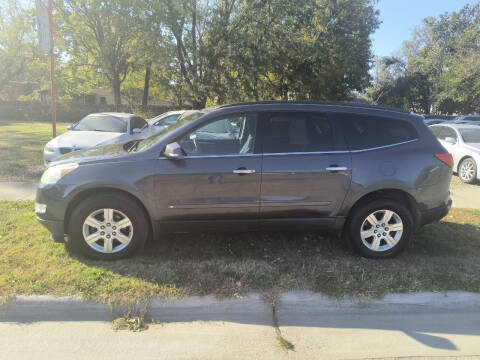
(435, 214)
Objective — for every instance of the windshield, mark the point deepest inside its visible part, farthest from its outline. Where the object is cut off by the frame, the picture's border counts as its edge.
(147, 143)
(471, 136)
(164, 120)
(101, 122)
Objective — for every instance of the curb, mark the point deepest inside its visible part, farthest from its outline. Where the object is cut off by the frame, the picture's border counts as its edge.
(250, 309)
(424, 302)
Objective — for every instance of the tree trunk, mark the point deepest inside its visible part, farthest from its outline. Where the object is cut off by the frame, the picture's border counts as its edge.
(116, 91)
(146, 86)
(199, 103)
(434, 106)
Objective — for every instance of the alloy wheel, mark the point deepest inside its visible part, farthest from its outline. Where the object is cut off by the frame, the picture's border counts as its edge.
(467, 170)
(107, 230)
(381, 230)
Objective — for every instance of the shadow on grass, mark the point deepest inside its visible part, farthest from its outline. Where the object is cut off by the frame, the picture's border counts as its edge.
(441, 257)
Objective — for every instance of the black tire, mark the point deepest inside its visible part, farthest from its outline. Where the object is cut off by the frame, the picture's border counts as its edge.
(129, 207)
(356, 221)
(468, 180)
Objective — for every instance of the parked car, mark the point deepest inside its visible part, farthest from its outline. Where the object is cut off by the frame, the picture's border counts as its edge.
(429, 122)
(467, 122)
(376, 174)
(463, 142)
(93, 130)
(467, 118)
(166, 119)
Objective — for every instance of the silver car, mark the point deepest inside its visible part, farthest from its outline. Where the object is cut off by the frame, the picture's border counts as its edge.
(463, 142)
(97, 129)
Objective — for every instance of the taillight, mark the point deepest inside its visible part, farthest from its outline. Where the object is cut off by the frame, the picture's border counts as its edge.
(447, 159)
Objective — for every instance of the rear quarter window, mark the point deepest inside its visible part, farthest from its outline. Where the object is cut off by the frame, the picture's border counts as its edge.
(365, 132)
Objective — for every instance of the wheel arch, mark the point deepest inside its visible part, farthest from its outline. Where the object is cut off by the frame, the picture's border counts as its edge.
(84, 194)
(393, 194)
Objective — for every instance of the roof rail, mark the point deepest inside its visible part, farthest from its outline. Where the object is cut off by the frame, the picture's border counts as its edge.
(308, 102)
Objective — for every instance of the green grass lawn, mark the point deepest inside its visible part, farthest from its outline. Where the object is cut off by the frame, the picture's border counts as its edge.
(442, 256)
(21, 146)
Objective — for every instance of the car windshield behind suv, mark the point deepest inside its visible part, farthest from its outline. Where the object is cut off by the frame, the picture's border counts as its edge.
(147, 143)
(101, 122)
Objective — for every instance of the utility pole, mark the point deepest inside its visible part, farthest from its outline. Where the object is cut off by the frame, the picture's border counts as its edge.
(52, 70)
(45, 41)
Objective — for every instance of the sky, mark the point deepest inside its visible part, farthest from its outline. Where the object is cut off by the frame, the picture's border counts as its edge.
(400, 17)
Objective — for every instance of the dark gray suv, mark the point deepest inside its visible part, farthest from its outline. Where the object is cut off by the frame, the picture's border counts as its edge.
(376, 174)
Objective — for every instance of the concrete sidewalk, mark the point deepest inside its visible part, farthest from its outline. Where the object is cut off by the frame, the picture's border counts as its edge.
(14, 191)
(407, 325)
(465, 195)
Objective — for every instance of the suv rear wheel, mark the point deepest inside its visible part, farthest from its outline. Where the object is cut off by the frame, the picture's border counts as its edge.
(107, 227)
(379, 229)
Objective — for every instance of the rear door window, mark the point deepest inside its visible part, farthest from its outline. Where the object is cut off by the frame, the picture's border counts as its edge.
(442, 132)
(366, 132)
(292, 132)
(448, 132)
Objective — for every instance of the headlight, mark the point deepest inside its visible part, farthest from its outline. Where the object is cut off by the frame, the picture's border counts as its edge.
(56, 172)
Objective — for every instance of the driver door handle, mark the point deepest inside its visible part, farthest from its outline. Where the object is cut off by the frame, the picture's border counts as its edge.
(243, 171)
(336, 168)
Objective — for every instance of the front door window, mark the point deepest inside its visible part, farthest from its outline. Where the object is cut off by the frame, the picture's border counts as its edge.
(228, 136)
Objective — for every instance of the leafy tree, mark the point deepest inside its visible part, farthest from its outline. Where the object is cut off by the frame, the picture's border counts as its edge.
(441, 68)
(247, 49)
(107, 31)
(20, 58)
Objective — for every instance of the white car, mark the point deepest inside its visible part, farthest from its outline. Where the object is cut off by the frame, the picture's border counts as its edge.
(161, 121)
(463, 142)
(94, 130)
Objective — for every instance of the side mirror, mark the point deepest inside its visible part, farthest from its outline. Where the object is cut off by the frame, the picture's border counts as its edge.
(451, 140)
(70, 127)
(136, 131)
(173, 151)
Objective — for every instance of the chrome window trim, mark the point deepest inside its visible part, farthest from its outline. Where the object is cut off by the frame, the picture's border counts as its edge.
(341, 151)
(385, 146)
(214, 156)
(308, 153)
(301, 153)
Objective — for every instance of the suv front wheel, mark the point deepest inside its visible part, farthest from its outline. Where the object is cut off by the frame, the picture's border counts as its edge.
(107, 227)
(379, 229)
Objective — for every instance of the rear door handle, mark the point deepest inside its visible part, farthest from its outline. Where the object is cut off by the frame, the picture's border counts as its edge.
(243, 171)
(336, 168)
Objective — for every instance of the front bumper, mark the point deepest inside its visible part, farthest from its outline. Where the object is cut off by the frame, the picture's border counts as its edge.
(435, 214)
(51, 209)
(56, 228)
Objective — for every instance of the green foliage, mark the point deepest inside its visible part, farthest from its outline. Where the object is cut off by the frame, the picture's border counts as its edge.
(20, 58)
(189, 52)
(440, 69)
(102, 35)
(277, 49)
